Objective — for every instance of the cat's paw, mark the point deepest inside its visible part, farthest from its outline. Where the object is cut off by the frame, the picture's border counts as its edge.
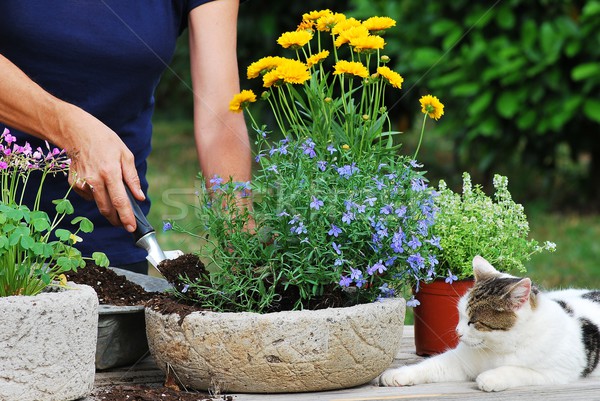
(396, 378)
(492, 381)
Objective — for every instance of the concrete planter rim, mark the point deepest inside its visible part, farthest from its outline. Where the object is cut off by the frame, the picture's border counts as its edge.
(49, 343)
(291, 351)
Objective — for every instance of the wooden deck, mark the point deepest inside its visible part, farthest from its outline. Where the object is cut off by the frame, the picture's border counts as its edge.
(584, 390)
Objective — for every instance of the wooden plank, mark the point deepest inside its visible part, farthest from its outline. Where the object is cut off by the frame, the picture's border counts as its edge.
(146, 372)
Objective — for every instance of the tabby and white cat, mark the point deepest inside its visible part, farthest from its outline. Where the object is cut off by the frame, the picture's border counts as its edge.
(513, 335)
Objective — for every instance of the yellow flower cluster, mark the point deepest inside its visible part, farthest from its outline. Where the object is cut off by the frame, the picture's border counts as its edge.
(363, 39)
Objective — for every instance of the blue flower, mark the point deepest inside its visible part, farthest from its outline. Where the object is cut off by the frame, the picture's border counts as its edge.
(216, 181)
(401, 211)
(338, 262)
(435, 241)
(418, 185)
(258, 157)
(348, 217)
(378, 267)
(414, 243)
(451, 277)
(360, 282)
(167, 226)
(355, 274)
(386, 291)
(387, 209)
(348, 170)
(345, 281)
(371, 201)
(316, 203)
(416, 261)
(322, 165)
(273, 168)
(336, 248)
(379, 184)
(331, 149)
(308, 148)
(412, 303)
(335, 230)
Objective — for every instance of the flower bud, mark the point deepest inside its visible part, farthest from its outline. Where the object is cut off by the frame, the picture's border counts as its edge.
(384, 59)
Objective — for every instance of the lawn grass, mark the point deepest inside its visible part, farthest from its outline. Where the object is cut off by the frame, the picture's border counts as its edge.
(173, 167)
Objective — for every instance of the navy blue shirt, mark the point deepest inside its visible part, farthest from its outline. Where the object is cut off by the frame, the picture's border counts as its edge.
(105, 56)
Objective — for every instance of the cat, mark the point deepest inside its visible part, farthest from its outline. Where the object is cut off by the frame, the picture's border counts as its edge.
(512, 335)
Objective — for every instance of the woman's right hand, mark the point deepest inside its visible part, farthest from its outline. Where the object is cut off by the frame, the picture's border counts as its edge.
(101, 164)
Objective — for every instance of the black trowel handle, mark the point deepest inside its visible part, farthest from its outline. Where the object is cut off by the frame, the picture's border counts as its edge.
(143, 226)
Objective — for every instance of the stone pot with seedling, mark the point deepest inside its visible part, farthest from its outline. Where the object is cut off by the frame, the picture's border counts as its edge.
(49, 325)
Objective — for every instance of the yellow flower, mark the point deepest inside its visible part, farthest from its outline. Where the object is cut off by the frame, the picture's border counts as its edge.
(327, 22)
(289, 71)
(315, 15)
(367, 43)
(432, 106)
(295, 39)
(317, 58)
(392, 77)
(350, 67)
(351, 33)
(75, 238)
(306, 26)
(241, 100)
(377, 24)
(62, 279)
(263, 65)
(345, 25)
(346, 146)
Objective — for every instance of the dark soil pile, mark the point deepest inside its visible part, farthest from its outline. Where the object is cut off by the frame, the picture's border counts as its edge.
(112, 289)
(148, 393)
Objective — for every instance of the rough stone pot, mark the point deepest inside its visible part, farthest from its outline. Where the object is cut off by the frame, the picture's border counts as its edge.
(48, 345)
(278, 352)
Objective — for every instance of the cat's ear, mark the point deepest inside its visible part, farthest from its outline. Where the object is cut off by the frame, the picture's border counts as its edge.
(520, 293)
(482, 269)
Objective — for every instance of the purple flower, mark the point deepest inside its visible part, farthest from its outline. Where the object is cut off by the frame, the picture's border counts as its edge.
(418, 185)
(386, 291)
(338, 262)
(258, 157)
(412, 303)
(414, 243)
(345, 281)
(322, 165)
(273, 168)
(167, 226)
(308, 147)
(435, 241)
(348, 217)
(331, 149)
(336, 248)
(416, 261)
(316, 203)
(216, 181)
(415, 164)
(335, 230)
(3, 165)
(451, 277)
(379, 184)
(387, 209)
(360, 282)
(378, 267)
(371, 201)
(401, 211)
(348, 170)
(355, 274)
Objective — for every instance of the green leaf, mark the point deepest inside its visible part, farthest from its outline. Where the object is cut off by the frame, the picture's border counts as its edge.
(27, 242)
(480, 103)
(585, 71)
(507, 104)
(40, 224)
(63, 235)
(85, 224)
(591, 108)
(63, 206)
(100, 259)
(3, 241)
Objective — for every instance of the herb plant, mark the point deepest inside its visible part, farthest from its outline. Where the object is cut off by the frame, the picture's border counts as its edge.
(34, 252)
(471, 223)
(341, 217)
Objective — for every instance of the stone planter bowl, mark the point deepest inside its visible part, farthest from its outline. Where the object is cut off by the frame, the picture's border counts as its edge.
(278, 352)
(48, 345)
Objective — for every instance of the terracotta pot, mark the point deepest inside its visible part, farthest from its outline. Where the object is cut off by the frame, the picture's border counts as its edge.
(437, 315)
(295, 351)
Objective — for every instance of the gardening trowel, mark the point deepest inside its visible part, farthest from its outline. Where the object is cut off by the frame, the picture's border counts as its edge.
(145, 236)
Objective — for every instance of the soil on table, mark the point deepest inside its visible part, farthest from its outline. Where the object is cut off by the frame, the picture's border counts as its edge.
(150, 393)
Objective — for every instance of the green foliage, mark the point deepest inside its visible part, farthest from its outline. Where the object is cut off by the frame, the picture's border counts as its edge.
(30, 257)
(472, 223)
(521, 77)
(325, 220)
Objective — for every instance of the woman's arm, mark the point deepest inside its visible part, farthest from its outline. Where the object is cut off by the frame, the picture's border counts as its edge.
(97, 154)
(221, 135)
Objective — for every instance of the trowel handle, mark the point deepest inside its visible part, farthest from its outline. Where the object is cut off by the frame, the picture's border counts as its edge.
(143, 226)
